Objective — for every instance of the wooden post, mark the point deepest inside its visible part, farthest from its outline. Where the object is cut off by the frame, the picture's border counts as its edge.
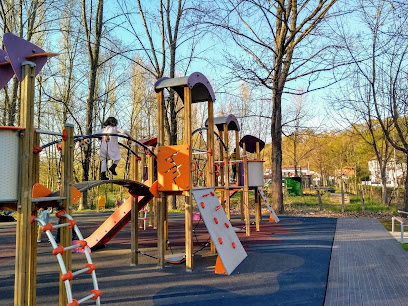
(66, 192)
(24, 242)
(211, 178)
(150, 162)
(258, 212)
(241, 204)
(210, 146)
(142, 168)
(161, 201)
(34, 229)
(188, 197)
(246, 194)
(134, 165)
(342, 193)
(319, 197)
(227, 205)
(222, 173)
(362, 200)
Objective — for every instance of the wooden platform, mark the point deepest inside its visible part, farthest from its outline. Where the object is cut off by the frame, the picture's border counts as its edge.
(368, 266)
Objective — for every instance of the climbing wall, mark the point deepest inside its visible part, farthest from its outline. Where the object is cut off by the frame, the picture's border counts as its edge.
(275, 217)
(227, 244)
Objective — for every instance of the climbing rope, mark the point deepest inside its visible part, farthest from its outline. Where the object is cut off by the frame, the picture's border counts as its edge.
(58, 251)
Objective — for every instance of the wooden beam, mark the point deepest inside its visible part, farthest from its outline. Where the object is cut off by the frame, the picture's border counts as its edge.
(239, 181)
(246, 194)
(210, 146)
(134, 166)
(24, 242)
(258, 207)
(67, 161)
(227, 206)
(188, 196)
(34, 229)
(161, 201)
(211, 178)
(222, 172)
(142, 177)
(150, 167)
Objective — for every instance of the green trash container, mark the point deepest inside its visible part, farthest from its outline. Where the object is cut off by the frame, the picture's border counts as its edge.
(294, 185)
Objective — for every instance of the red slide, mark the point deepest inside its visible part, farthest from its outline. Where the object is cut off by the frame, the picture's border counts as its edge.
(116, 222)
(231, 192)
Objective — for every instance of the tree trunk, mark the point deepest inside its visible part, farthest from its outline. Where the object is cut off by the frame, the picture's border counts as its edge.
(406, 194)
(384, 184)
(12, 110)
(93, 54)
(276, 134)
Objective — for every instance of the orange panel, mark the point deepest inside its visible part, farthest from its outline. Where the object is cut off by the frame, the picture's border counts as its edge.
(76, 195)
(154, 189)
(173, 168)
(40, 191)
(219, 267)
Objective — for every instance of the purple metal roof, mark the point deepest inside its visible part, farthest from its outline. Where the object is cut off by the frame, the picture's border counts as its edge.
(201, 89)
(231, 122)
(6, 71)
(250, 143)
(17, 50)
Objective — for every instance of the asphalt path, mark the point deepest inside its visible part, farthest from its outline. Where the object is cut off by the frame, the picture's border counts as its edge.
(287, 264)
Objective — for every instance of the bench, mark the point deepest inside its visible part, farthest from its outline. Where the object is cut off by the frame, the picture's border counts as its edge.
(402, 221)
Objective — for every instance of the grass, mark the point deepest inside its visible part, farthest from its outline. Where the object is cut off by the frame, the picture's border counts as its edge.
(405, 246)
(388, 226)
(310, 202)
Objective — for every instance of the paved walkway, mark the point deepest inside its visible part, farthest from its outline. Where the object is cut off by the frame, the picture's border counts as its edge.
(367, 267)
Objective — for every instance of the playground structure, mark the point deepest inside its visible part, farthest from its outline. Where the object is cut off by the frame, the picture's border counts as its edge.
(249, 173)
(22, 192)
(25, 60)
(175, 174)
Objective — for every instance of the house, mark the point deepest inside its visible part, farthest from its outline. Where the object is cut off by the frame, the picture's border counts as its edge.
(394, 172)
(289, 171)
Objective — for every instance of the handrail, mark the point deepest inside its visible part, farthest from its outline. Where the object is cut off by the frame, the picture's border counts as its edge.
(219, 137)
(100, 135)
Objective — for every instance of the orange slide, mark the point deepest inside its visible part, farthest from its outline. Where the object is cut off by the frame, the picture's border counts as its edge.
(231, 192)
(116, 222)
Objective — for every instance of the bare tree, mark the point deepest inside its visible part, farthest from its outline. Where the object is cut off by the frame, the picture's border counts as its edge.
(269, 33)
(93, 25)
(380, 58)
(296, 129)
(25, 19)
(159, 44)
